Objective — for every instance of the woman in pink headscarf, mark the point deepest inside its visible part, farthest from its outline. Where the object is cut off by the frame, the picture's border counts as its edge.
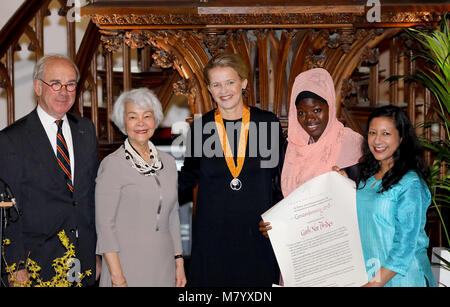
(317, 141)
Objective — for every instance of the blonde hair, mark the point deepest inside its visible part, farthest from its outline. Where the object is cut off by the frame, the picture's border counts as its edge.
(226, 59)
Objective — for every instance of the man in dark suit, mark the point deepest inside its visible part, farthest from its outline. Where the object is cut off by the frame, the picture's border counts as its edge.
(51, 166)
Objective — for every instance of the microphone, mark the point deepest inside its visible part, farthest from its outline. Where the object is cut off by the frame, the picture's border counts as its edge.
(9, 193)
(10, 196)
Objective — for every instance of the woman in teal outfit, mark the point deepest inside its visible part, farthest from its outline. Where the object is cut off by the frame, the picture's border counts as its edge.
(392, 201)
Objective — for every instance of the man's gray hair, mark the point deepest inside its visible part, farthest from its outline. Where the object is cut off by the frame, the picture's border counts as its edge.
(143, 98)
(40, 65)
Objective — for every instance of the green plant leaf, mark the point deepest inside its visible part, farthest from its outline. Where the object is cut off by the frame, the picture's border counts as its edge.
(435, 51)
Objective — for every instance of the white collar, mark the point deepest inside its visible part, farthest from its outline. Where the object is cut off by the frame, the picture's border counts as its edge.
(48, 120)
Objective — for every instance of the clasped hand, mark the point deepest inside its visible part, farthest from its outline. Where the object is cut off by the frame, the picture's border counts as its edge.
(264, 227)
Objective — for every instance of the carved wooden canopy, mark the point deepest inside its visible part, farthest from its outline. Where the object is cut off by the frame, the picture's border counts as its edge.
(184, 14)
(278, 39)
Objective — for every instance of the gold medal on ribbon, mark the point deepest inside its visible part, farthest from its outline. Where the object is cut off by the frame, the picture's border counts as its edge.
(235, 170)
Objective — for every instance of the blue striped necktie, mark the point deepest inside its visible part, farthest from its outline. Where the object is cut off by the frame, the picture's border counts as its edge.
(62, 155)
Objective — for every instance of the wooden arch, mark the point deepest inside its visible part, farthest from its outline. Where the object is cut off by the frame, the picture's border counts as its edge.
(182, 52)
(278, 40)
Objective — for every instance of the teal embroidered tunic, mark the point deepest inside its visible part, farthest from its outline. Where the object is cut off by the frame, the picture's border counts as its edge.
(391, 226)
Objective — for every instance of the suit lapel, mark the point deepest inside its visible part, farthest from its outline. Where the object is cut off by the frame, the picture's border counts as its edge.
(38, 139)
(77, 143)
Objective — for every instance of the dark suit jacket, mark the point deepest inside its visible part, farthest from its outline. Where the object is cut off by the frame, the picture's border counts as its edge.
(28, 164)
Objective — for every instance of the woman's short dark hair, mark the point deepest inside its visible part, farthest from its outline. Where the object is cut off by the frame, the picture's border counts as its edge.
(408, 156)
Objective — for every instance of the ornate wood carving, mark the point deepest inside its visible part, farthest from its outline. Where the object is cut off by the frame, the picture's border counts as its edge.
(277, 41)
(288, 20)
(214, 40)
(275, 57)
(171, 49)
(111, 40)
(184, 87)
(370, 56)
(349, 92)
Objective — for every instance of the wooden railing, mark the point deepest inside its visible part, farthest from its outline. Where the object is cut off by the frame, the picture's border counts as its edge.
(28, 21)
(86, 61)
(17, 26)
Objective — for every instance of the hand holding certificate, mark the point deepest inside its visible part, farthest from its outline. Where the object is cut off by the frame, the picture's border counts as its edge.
(315, 234)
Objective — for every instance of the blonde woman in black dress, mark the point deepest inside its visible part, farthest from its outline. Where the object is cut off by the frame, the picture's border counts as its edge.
(234, 182)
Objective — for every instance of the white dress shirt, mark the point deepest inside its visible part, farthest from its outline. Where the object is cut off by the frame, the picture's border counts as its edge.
(52, 129)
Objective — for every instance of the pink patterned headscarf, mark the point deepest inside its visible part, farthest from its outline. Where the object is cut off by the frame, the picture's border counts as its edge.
(337, 145)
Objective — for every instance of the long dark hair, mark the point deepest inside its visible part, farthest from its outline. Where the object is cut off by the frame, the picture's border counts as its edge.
(408, 156)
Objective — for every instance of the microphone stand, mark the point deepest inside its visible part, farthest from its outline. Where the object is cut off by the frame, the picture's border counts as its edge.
(3, 205)
(7, 200)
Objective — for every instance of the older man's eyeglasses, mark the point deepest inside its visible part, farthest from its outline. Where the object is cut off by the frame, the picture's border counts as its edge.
(57, 86)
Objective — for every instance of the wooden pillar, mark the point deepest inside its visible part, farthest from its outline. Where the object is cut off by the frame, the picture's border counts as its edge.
(373, 85)
(10, 91)
(70, 30)
(263, 71)
(109, 95)
(427, 131)
(410, 91)
(39, 24)
(126, 67)
(393, 68)
(146, 58)
(94, 95)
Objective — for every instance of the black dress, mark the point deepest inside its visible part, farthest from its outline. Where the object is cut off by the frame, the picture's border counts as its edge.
(227, 247)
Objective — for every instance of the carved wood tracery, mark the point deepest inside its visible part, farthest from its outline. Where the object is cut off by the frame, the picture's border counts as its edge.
(253, 18)
(278, 41)
(187, 51)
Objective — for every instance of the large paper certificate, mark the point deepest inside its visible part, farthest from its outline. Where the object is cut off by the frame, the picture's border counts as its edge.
(315, 234)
